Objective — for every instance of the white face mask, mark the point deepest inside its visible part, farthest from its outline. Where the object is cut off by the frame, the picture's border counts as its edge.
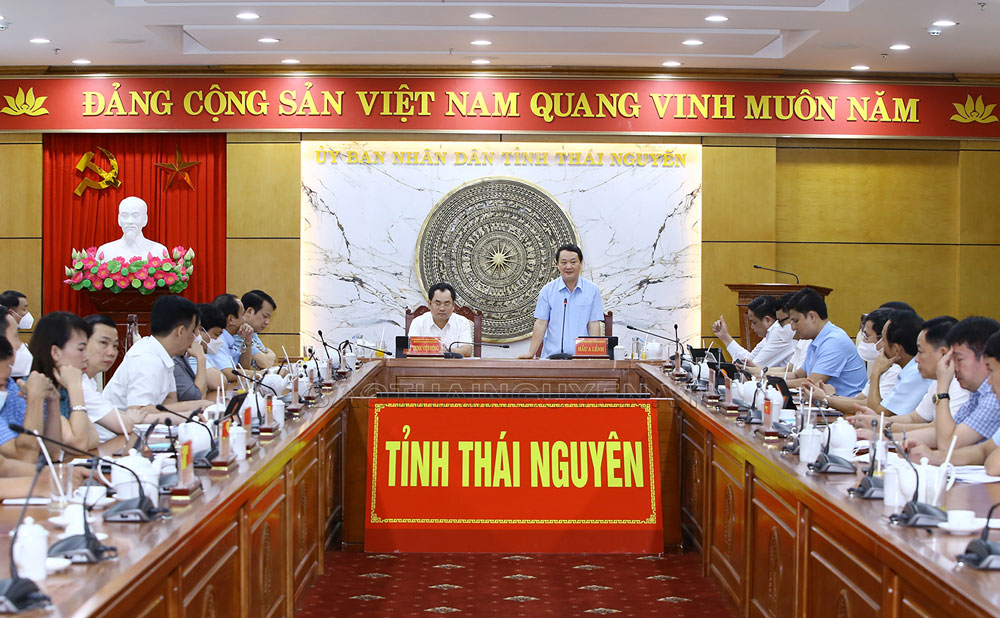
(197, 338)
(26, 322)
(3, 399)
(22, 362)
(867, 351)
(215, 345)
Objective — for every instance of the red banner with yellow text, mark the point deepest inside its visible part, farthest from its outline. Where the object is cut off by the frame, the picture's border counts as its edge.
(498, 104)
(513, 475)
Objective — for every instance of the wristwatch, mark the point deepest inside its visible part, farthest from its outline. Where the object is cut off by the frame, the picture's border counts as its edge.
(939, 397)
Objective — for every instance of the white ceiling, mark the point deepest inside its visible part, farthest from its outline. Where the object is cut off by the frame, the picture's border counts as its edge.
(810, 35)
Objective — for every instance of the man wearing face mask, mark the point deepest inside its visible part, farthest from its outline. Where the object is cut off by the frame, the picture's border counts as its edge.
(776, 342)
(20, 318)
(145, 377)
(217, 358)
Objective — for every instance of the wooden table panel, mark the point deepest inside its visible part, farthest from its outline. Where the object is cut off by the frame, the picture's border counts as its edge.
(727, 554)
(268, 566)
(693, 483)
(332, 456)
(844, 582)
(305, 518)
(209, 585)
(772, 555)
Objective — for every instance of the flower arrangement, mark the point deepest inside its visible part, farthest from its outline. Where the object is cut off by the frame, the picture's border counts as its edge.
(89, 271)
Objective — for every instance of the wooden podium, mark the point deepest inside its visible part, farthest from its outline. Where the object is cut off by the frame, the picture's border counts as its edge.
(746, 292)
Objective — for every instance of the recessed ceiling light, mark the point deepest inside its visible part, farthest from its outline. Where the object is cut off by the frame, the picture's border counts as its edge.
(899, 47)
(480, 61)
(290, 61)
(671, 63)
(693, 42)
(268, 39)
(2, 17)
(482, 42)
(81, 61)
(717, 18)
(247, 16)
(860, 67)
(944, 23)
(481, 16)
(39, 41)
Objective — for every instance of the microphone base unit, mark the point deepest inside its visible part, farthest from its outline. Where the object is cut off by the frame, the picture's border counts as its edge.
(919, 515)
(134, 510)
(453, 355)
(82, 549)
(870, 488)
(832, 464)
(982, 555)
(20, 594)
(204, 458)
(561, 356)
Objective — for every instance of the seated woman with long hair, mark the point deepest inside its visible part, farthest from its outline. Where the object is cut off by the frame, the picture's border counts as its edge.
(59, 346)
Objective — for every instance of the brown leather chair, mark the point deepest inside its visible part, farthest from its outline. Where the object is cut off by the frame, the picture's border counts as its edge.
(608, 323)
(474, 315)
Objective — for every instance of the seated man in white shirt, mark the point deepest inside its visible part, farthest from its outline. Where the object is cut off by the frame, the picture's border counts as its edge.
(442, 321)
(102, 350)
(146, 376)
(776, 341)
(932, 344)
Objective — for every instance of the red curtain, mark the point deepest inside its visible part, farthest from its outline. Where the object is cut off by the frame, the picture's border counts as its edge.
(194, 218)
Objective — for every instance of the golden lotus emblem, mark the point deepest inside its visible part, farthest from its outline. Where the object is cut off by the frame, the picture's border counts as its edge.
(974, 111)
(24, 103)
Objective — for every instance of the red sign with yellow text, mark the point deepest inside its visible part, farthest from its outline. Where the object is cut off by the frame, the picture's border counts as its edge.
(424, 346)
(592, 347)
(513, 475)
(497, 104)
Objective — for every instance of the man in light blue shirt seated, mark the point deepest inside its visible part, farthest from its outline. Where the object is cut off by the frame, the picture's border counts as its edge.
(571, 297)
(832, 356)
(237, 334)
(899, 337)
(258, 307)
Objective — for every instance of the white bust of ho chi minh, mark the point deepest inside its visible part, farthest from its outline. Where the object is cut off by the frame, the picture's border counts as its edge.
(132, 219)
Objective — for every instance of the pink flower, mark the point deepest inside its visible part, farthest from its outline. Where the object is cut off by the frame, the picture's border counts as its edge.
(77, 278)
(103, 272)
(141, 273)
(122, 282)
(178, 252)
(149, 284)
(91, 251)
(170, 278)
(158, 275)
(97, 284)
(89, 262)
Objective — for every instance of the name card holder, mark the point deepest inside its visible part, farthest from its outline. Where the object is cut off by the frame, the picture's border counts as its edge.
(269, 430)
(595, 347)
(188, 486)
(226, 460)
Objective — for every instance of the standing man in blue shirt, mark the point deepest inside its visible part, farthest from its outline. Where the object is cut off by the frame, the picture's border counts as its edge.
(832, 356)
(571, 298)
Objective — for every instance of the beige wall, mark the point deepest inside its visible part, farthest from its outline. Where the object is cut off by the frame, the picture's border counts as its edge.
(262, 227)
(21, 207)
(875, 220)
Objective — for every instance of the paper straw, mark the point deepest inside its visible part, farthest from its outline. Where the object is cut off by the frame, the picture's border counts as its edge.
(881, 426)
(52, 470)
(785, 377)
(947, 462)
(809, 407)
(287, 362)
(121, 422)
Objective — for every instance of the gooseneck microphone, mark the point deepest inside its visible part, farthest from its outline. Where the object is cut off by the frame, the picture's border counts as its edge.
(831, 464)
(562, 355)
(258, 382)
(657, 335)
(203, 459)
(981, 553)
(327, 347)
(131, 510)
(374, 349)
(450, 354)
(775, 270)
(20, 594)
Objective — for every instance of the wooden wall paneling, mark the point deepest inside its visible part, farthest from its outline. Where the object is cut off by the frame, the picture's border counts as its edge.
(332, 456)
(22, 260)
(845, 579)
(727, 549)
(209, 581)
(21, 198)
(773, 547)
(263, 189)
(979, 185)
(978, 286)
(268, 549)
(693, 483)
(306, 527)
(355, 471)
(272, 265)
(731, 262)
(668, 419)
(160, 602)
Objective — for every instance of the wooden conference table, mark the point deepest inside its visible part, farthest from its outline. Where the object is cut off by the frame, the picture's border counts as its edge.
(778, 541)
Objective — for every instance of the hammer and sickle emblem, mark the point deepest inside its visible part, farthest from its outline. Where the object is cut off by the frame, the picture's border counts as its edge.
(109, 178)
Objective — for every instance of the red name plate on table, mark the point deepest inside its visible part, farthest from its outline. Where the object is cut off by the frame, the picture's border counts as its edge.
(502, 475)
(591, 347)
(425, 346)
